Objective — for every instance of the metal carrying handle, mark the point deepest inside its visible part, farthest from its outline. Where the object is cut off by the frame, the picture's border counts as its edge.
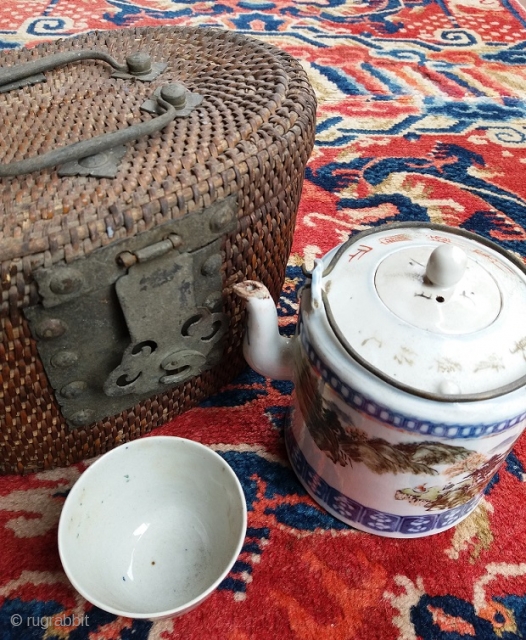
(137, 64)
(86, 148)
(21, 71)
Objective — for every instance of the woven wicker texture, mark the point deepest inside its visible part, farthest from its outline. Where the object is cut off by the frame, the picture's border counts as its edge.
(251, 136)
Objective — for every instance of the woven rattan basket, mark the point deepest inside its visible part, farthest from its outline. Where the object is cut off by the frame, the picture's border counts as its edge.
(118, 253)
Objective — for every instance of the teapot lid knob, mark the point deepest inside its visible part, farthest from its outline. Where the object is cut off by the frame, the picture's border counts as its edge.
(446, 266)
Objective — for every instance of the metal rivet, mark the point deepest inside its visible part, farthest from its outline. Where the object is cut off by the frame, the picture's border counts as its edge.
(174, 94)
(94, 161)
(73, 389)
(82, 417)
(51, 328)
(66, 281)
(221, 218)
(212, 265)
(64, 359)
(139, 63)
(173, 361)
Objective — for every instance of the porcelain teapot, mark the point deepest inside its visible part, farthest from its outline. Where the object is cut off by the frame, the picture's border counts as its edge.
(409, 366)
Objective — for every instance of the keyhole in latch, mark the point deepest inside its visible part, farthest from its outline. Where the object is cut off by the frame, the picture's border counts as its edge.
(215, 328)
(146, 347)
(123, 381)
(178, 370)
(186, 328)
(140, 350)
(195, 325)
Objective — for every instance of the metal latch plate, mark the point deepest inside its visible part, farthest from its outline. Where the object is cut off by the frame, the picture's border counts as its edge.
(134, 318)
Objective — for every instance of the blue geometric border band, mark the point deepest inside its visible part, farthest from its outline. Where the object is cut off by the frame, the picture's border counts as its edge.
(364, 404)
(353, 511)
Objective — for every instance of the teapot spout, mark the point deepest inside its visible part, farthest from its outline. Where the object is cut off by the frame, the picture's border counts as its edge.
(265, 349)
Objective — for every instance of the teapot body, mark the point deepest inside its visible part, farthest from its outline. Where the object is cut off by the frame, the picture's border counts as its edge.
(409, 367)
(383, 460)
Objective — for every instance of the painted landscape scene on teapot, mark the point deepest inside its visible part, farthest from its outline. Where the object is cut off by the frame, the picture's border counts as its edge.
(374, 465)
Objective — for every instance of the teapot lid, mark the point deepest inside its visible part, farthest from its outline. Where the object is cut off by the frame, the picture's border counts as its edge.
(433, 310)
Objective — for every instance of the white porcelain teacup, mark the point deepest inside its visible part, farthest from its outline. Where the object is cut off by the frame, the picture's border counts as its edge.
(152, 527)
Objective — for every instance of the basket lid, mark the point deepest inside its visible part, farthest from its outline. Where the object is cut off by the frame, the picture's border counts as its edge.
(253, 94)
(431, 309)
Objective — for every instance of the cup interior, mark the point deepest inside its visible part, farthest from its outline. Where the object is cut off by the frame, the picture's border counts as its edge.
(152, 527)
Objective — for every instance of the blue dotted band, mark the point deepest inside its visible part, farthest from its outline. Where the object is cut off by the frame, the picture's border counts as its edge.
(381, 413)
(355, 512)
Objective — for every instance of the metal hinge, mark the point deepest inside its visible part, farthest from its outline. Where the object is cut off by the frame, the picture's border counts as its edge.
(135, 318)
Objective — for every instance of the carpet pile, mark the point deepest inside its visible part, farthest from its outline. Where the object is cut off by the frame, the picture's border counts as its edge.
(422, 116)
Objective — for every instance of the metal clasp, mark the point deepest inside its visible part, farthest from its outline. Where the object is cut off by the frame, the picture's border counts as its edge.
(134, 318)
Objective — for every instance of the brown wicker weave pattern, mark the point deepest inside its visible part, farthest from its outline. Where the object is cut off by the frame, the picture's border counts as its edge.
(251, 136)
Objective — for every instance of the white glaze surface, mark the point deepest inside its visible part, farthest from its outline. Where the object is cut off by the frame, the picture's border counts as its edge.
(152, 527)
(409, 368)
(467, 337)
(354, 441)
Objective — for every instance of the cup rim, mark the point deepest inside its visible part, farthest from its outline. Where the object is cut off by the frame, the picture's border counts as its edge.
(190, 604)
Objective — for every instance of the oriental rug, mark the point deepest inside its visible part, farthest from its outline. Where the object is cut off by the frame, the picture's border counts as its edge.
(422, 117)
